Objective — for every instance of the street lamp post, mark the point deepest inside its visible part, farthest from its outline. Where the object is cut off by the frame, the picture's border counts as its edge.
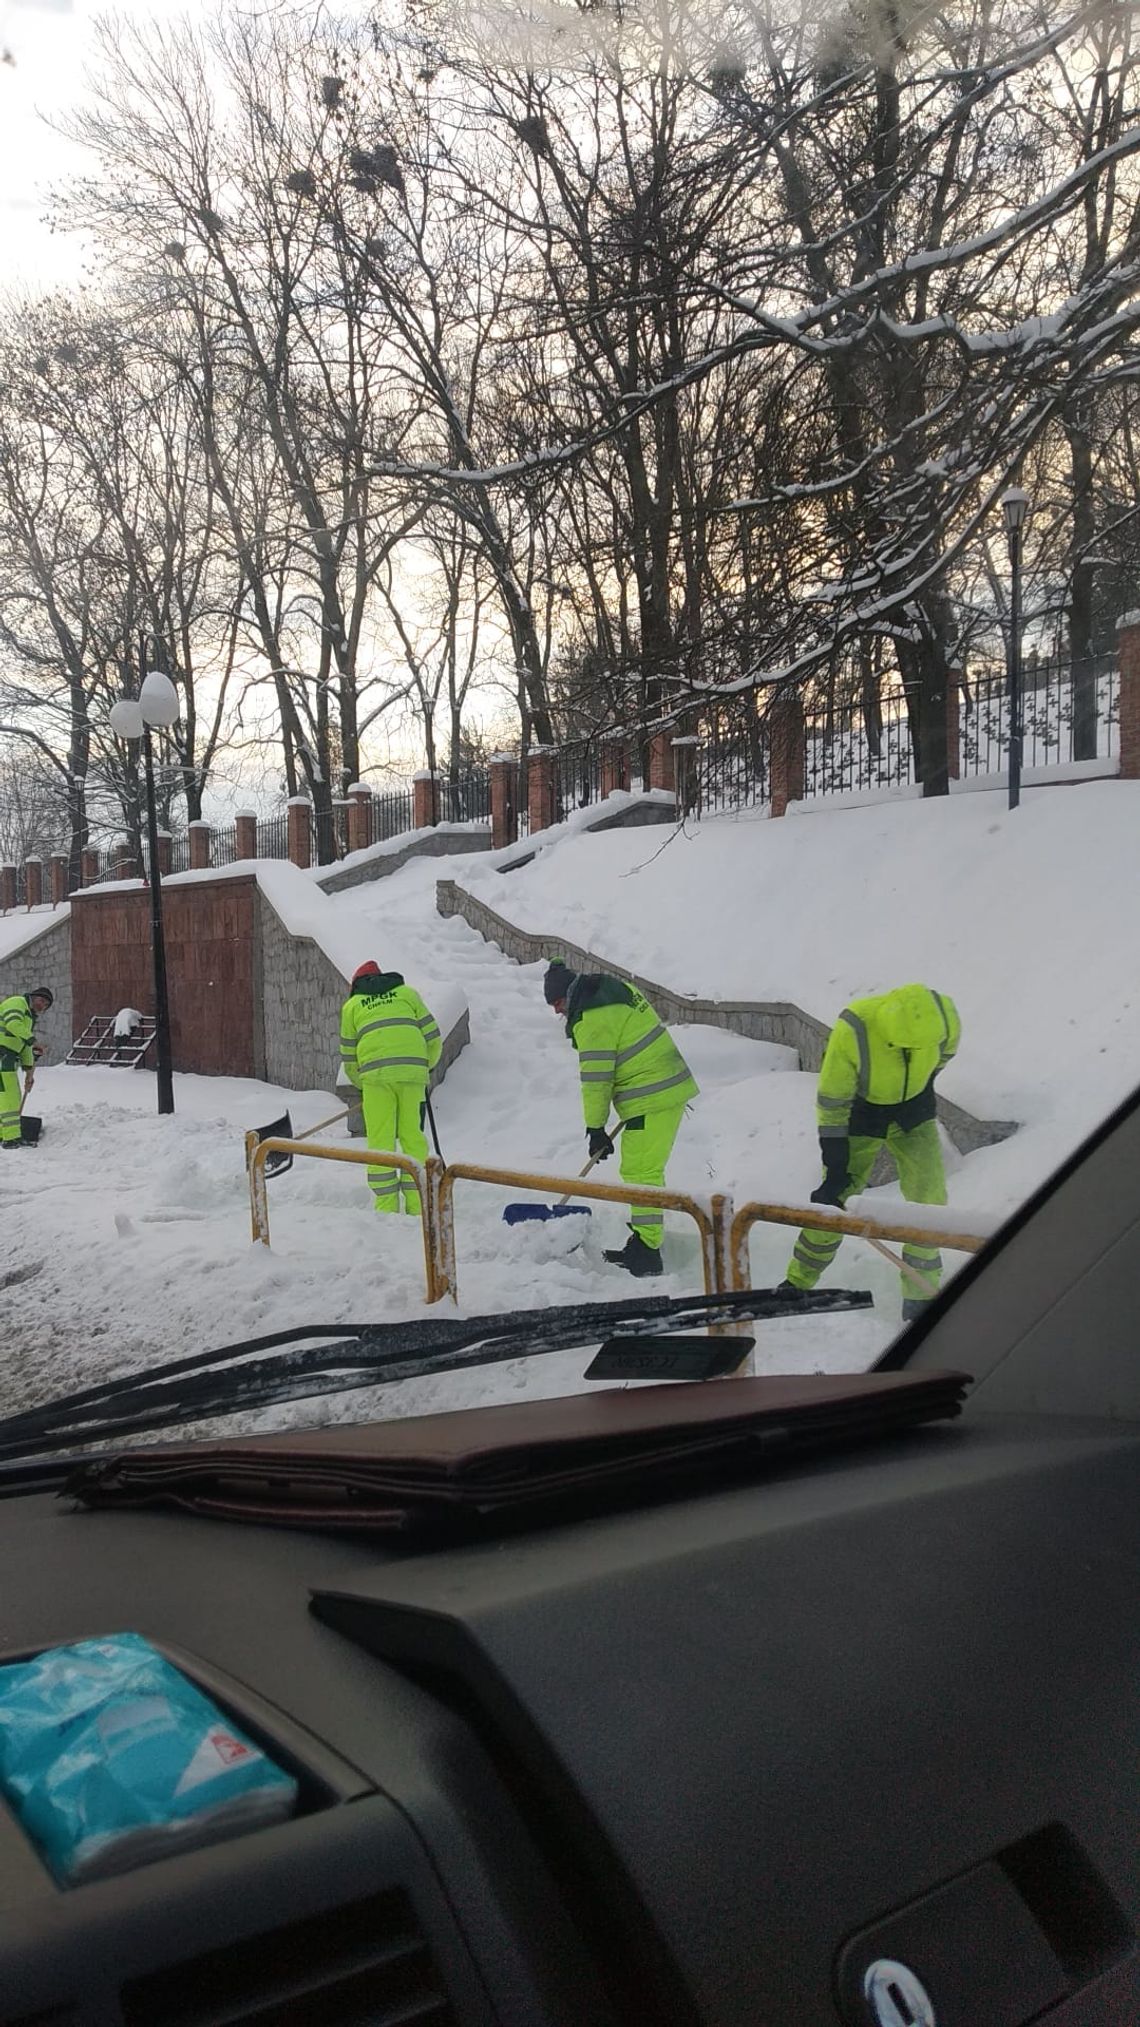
(157, 705)
(1015, 507)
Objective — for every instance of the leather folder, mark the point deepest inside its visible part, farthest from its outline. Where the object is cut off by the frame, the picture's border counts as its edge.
(563, 1456)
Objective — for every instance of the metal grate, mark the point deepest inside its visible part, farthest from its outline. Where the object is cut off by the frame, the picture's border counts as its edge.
(100, 1044)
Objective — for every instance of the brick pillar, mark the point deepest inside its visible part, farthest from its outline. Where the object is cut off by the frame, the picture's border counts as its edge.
(59, 872)
(359, 817)
(685, 774)
(615, 765)
(201, 837)
(788, 747)
(125, 866)
(661, 760)
(954, 680)
(425, 800)
(88, 866)
(7, 888)
(300, 820)
(165, 854)
(245, 835)
(540, 788)
(504, 800)
(34, 882)
(1128, 654)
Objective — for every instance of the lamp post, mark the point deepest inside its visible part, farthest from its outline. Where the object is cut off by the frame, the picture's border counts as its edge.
(156, 705)
(1015, 507)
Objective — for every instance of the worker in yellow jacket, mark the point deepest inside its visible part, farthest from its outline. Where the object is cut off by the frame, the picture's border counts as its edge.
(628, 1059)
(876, 1088)
(19, 1050)
(389, 1045)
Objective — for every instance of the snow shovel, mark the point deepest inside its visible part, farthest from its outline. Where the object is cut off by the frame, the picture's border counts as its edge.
(30, 1129)
(523, 1214)
(282, 1129)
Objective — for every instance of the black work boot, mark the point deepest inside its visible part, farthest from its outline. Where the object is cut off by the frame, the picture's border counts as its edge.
(636, 1257)
(914, 1307)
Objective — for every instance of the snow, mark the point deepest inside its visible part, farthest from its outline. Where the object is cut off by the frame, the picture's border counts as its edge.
(389, 848)
(126, 1235)
(23, 925)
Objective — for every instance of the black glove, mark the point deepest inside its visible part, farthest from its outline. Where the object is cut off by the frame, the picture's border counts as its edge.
(830, 1191)
(601, 1146)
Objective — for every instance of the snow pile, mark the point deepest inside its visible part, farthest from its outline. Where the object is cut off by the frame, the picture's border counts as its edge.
(23, 925)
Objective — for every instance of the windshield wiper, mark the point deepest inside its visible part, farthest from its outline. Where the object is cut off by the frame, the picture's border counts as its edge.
(263, 1372)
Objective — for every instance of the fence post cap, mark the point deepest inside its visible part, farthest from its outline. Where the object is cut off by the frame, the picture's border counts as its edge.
(33, 859)
(199, 823)
(503, 759)
(164, 834)
(299, 802)
(1127, 619)
(241, 816)
(358, 788)
(426, 774)
(688, 739)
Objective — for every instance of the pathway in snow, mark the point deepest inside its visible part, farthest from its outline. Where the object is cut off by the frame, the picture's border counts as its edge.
(127, 1239)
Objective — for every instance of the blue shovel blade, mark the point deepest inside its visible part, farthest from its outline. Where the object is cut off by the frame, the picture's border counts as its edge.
(521, 1214)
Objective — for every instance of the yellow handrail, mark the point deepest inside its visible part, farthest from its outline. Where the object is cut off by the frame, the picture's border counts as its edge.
(425, 1176)
(712, 1224)
(823, 1220)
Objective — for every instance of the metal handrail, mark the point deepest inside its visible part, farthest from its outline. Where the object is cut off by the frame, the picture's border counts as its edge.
(424, 1174)
(712, 1223)
(815, 1219)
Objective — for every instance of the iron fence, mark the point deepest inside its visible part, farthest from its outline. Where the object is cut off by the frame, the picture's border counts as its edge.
(389, 815)
(273, 837)
(466, 797)
(223, 846)
(577, 777)
(732, 765)
(862, 739)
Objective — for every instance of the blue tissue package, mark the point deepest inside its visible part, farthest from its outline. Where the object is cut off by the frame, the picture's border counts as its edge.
(110, 1757)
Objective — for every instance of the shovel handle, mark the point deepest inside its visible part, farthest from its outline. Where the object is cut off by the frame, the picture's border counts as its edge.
(911, 1273)
(321, 1124)
(592, 1163)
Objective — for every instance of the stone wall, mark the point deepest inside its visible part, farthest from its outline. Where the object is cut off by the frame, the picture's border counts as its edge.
(45, 960)
(631, 815)
(761, 1020)
(439, 843)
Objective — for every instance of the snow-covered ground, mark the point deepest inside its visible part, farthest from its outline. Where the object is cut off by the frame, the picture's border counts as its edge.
(126, 1238)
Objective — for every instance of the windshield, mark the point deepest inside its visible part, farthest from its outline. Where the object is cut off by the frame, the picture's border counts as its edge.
(568, 630)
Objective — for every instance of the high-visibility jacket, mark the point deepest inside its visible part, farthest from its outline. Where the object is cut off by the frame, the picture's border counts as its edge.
(626, 1057)
(387, 1035)
(881, 1060)
(17, 1027)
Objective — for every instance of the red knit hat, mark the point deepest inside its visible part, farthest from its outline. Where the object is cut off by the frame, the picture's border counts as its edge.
(363, 971)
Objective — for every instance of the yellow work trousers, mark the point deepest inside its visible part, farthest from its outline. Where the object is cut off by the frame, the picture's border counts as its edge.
(393, 1122)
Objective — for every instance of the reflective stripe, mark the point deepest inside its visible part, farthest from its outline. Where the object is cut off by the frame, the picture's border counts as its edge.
(644, 1217)
(833, 1133)
(388, 1062)
(925, 1262)
(597, 1056)
(635, 1048)
(833, 1104)
(860, 1033)
(822, 1243)
(393, 1021)
(596, 1077)
(647, 1090)
(431, 1034)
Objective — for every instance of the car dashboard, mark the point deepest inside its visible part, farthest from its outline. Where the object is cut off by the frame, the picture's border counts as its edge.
(856, 1741)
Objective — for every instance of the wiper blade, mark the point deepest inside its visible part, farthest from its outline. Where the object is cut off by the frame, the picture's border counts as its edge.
(265, 1372)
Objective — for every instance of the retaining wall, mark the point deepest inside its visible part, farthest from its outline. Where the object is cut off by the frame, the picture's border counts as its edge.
(441, 841)
(761, 1020)
(45, 959)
